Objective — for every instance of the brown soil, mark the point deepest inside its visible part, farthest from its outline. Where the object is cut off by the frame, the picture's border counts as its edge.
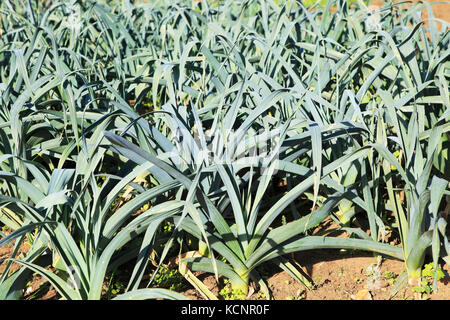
(38, 288)
(440, 10)
(338, 275)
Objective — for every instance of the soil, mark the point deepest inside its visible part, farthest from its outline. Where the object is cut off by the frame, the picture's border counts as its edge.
(440, 10)
(338, 275)
(38, 288)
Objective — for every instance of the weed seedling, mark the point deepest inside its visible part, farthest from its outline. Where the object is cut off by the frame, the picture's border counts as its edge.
(358, 280)
(389, 276)
(261, 295)
(169, 278)
(231, 294)
(428, 273)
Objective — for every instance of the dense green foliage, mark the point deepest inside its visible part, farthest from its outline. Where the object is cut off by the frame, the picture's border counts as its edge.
(242, 124)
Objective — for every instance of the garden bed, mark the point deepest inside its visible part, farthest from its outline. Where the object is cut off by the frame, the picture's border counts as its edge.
(284, 148)
(337, 274)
